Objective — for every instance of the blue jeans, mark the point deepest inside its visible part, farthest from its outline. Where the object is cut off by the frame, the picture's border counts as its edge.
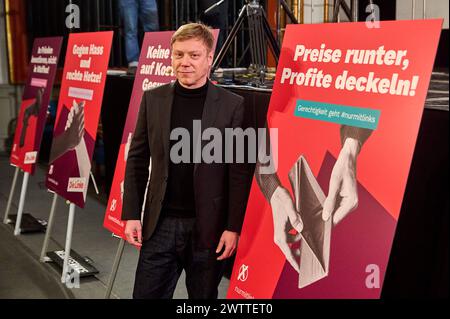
(163, 257)
(132, 10)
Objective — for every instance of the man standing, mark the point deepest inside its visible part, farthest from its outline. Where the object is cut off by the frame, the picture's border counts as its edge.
(133, 11)
(194, 210)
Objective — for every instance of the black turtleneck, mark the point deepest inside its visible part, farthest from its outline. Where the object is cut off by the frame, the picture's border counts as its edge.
(187, 106)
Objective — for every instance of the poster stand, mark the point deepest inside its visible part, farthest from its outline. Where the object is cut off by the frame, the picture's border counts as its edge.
(23, 223)
(65, 272)
(23, 193)
(117, 259)
(30, 126)
(6, 220)
(43, 257)
(71, 262)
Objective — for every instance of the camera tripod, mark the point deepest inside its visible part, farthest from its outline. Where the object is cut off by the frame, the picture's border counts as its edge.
(259, 32)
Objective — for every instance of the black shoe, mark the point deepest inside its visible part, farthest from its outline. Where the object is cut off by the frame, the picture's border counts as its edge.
(131, 70)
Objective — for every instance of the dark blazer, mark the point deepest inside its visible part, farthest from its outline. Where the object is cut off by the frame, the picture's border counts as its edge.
(220, 189)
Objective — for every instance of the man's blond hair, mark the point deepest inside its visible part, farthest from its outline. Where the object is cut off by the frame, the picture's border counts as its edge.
(194, 31)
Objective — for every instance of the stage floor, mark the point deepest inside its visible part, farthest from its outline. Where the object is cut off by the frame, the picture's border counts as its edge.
(21, 273)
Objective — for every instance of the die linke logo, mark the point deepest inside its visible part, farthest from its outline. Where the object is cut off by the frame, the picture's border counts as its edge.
(30, 158)
(76, 184)
(243, 273)
(113, 205)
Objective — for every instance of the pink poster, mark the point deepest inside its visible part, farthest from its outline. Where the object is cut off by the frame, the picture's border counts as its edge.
(344, 117)
(35, 99)
(78, 113)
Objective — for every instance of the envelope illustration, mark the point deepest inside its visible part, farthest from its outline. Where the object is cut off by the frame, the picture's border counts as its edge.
(316, 233)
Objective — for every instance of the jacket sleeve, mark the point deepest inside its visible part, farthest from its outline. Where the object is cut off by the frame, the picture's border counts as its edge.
(267, 182)
(136, 172)
(360, 134)
(239, 181)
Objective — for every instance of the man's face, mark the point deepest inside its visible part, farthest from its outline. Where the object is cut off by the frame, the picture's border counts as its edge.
(191, 62)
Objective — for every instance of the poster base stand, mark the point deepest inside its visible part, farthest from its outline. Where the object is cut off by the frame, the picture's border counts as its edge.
(29, 224)
(72, 264)
(23, 194)
(48, 231)
(116, 264)
(11, 194)
(81, 266)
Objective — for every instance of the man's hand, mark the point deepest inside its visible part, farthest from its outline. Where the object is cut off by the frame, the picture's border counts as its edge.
(230, 240)
(133, 232)
(75, 126)
(285, 217)
(72, 135)
(343, 194)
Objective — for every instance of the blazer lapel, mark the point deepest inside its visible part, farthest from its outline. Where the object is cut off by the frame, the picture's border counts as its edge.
(211, 107)
(165, 112)
(209, 114)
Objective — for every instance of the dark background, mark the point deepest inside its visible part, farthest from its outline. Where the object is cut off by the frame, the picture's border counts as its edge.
(44, 19)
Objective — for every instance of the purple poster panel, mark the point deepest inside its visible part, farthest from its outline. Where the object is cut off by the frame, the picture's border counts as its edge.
(79, 106)
(34, 107)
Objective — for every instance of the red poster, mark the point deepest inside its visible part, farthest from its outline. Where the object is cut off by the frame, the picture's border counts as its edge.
(35, 99)
(154, 69)
(79, 107)
(344, 116)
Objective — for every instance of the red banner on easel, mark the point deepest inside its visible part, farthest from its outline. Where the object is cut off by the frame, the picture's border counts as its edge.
(35, 99)
(79, 108)
(347, 114)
